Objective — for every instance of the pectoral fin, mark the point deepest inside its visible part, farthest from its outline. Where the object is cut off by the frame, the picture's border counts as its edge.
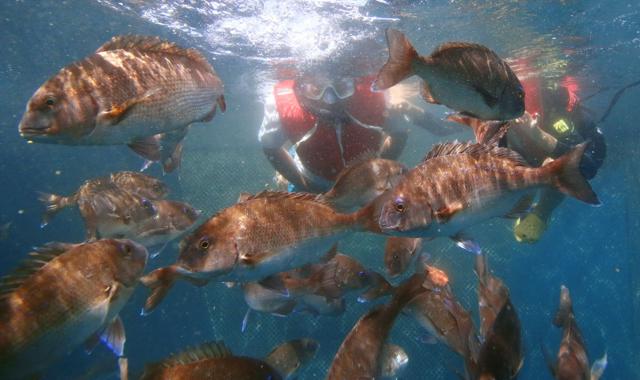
(147, 147)
(114, 336)
(488, 98)
(444, 214)
(425, 91)
(465, 242)
(119, 112)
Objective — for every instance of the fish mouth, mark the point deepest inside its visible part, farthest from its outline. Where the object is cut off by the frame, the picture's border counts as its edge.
(29, 132)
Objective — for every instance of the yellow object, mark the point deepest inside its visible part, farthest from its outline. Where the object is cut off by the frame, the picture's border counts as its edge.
(529, 229)
(562, 127)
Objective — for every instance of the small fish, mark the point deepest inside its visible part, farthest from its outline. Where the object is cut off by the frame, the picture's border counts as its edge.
(501, 354)
(128, 184)
(572, 360)
(132, 89)
(361, 183)
(459, 185)
(466, 77)
(266, 300)
(268, 233)
(400, 253)
(76, 291)
(215, 361)
(361, 352)
(438, 311)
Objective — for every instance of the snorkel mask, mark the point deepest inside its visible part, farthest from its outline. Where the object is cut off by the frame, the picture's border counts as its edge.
(325, 97)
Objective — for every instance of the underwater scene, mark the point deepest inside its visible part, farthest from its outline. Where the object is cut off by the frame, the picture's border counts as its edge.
(319, 189)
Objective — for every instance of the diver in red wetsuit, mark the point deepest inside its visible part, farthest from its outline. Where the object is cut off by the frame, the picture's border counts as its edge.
(316, 125)
(557, 122)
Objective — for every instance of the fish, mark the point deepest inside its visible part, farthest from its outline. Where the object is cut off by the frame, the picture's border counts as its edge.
(268, 233)
(170, 220)
(125, 183)
(572, 360)
(501, 352)
(360, 355)
(359, 184)
(462, 184)
(438, 311)
(400, 253)
(77, 291)
(315, 288)
(132, 89)
(213, 360)
(140, 184)
(466, 77)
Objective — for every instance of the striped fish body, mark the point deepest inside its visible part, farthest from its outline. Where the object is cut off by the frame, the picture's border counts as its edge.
(132, 87)
(266, 234)
(62, 295)
(460, 185)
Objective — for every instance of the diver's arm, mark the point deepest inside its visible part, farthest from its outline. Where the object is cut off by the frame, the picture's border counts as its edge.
(284, 164)
(273, 142)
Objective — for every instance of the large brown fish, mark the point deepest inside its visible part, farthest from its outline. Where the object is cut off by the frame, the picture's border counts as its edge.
(500, 356)
(130, 90)
(460, 185)
(466, 77)
(573, 363)
(438, 311)
(265, 234)
(214, 361)
(361, 183)
(361, 354)
(63, 295)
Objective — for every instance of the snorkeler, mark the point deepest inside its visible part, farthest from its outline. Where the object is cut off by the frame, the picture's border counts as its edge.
(324, 121)
(562, 123)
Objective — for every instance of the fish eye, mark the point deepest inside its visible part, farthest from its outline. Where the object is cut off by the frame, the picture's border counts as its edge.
(50, 100)
(400, 207)
(362, 274)
(204, 244)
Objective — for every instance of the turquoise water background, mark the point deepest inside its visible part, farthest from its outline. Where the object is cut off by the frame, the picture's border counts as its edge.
(594, 251)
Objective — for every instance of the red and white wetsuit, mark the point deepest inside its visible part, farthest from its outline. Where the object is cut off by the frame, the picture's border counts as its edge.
(322, 150)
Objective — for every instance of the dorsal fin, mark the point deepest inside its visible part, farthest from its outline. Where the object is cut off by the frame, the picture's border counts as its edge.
(209, 350)
(36, 260)
(151, 44)
(457, 45)
(285, 195)
(454, 148)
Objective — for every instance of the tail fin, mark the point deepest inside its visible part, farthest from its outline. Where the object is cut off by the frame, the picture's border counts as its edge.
(399, 65)
(379, 287)
(54, 203)
(567, 176)
(598, 367)
(173, 160)
(407, 291)
(565, 310)
(366, 219)
(159, 282)
(288, 357)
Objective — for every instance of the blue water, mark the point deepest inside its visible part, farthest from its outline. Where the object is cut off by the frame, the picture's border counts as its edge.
(594, 251)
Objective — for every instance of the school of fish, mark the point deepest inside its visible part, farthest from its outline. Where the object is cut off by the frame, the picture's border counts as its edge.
(281, 248)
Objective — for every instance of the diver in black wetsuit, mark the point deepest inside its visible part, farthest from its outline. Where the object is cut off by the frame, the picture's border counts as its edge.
(563, 124)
